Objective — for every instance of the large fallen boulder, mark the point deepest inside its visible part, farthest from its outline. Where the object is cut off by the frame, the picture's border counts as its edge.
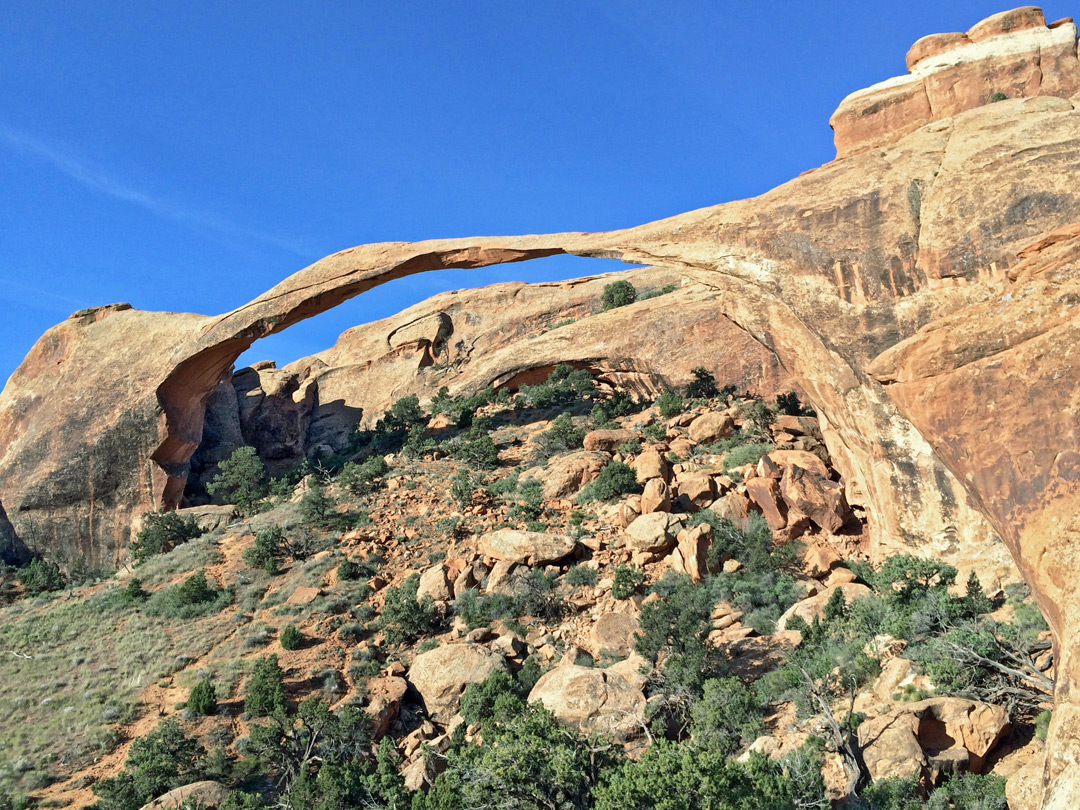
(441, 675)
(206, 794)
(654, 532)
(931, 738)
(591, 700)
(529, 548)
(565, 475)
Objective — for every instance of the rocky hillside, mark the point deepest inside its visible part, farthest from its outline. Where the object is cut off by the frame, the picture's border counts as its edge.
(918, 291)
(674, 583)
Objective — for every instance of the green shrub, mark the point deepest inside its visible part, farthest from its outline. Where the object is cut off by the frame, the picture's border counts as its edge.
(503, 486)
(894, 793)
(581, 575)
(530, 504)
(757, 420)
(526, 760)
(703, 386)
(1042, 723)
(603, 413)
(265, 689)
(41, 576)
(617, 294)
(631, 447)
(203, 698)
(195, 596)
(240, 480)
(729, 714)
(317, 508)
(403, 618)
(564, 385)
(670, 404)
(273, 546)
(476, 447)
(627, 579)
(478, 699)
(291, 638)
(156, 763)
(656, 293)
(561, 437)
(999, 96)
(745, 454)
(461, 488)
(969, 791)
(656, 432)
(365, 477)
(161, 532)
(348, 570)
(676, 627)
(535, 596)
(615, 480)
(789, 404)
(700, 777)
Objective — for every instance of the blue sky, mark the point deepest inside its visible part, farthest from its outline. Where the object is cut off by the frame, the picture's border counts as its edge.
(188, 155)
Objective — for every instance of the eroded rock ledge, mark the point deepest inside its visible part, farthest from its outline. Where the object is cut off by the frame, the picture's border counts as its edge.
(1014, 54)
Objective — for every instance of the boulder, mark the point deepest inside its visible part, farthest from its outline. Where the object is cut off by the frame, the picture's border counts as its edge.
(434, 583)
(818, 498)
(765, 492)
(691, 555)
(932, 737)
(384, 701)
(565, 475)
(207, 517)
(591, 700)
(711, 427)
(630, 669)
(650, 464)
(441, 675)
(654, 533)
(612, 634)
(528, 548)
(698, 489)
(608, 441)
(808, 461)
(813, 606)
(733, 506)
(656, 497)
(206, 794)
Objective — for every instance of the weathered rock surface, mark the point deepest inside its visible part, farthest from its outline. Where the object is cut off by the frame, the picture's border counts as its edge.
(711, 427)
(818, 498)
(206, 794)
(607, 441)
(591, 700)
(565, 475)
(997, 388)
(1014, 54)
(441, 675)
(530, 548)
(936, 736)
(814, 605)
(654, 532)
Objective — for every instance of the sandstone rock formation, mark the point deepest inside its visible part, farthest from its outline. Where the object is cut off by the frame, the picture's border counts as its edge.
(932, 738)
(946, 229)
(1013, 54)
(530, 548)
(592, 700)
(441, 675)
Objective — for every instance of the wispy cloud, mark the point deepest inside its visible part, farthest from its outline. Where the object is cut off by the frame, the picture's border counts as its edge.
(65, 161)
